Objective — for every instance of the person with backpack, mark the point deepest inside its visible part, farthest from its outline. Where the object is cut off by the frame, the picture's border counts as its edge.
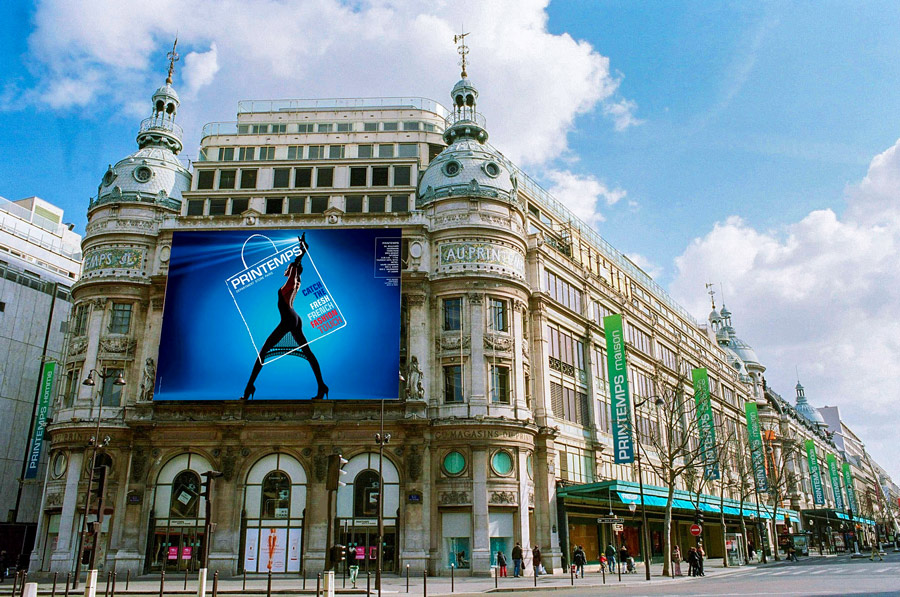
(501, 564)
(580, 560)
(536, 560)
(611, 557)
(517, 560)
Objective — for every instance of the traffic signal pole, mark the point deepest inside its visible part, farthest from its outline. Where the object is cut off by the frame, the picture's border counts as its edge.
(206, 493)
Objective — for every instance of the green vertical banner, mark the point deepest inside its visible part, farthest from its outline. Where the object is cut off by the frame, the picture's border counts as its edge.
(757, 457)
(40, 421)
(706, 424)
(620, 400)
(851, 492)
(815, 477)
(835, 476)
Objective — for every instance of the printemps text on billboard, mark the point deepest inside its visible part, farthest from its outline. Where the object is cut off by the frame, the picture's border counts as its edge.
(281, 315)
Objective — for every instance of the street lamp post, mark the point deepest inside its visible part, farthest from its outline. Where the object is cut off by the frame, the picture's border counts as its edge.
(381, 439)
(97, 444)
(645, 534)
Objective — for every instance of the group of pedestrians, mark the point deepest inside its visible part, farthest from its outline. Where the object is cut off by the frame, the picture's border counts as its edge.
(519, 562)
(695, 559)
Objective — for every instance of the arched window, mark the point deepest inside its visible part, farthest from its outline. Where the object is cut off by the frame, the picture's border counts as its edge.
(185, 495)
(365, 494)
(276, 495)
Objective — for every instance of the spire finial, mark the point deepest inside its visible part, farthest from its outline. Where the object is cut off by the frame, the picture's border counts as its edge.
(173, 58)
(462, 49)
(712, 294)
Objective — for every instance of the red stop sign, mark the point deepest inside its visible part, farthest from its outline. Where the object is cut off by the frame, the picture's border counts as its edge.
(696, 529)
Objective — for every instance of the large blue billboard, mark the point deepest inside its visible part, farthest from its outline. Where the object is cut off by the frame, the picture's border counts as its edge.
(281, 315)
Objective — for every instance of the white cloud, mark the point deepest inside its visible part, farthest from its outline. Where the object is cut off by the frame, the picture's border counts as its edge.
(622, 113)
(821, 294)
(529, 78)
(583, 194)
(651, 269)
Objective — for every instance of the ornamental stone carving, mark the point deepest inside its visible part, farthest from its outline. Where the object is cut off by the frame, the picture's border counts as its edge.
(503, 497)
(498, 342)
(54, 499)
(476, 298)
(116, 344)
(414, 388)
(148, 380)
(138, 465)
(78, 346)
(452, 342)
(415, 300)
(414, 464)
(229, 462)
(320, 464)
(454, 497)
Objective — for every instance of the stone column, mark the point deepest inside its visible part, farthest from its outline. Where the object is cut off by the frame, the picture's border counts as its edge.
(523, 534)
(545, 500)
(481, 542)
(540, 380)
(94, 330)
(63, 556)
(519, 315)
(477, 374)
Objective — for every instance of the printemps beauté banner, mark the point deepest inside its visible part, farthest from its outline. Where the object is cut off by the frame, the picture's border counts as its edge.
(706, 424)
(815, 478)
(835, 476)
(851, 492)
(620, 400)
(281, 315)
(757, 457)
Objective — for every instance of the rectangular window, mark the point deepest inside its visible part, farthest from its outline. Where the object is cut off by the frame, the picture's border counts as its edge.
(603, 416)
(278, 128)
(401, 176)
(335, 152)
(246, 154)
(428, 127)
(390, 126)
(453, 384)
(452, 308)
(296, 205)
(227, 179)
(226, 154)
(568, 404)
(562, 292)
(112, 394)
(358, 176)
(295, 152)
(282, 178)
(267, 153)
(259, 129)
(205, 179)
(274, 205)
(71, 389)
(217, 207)
(638, 338)
(399, 203)
(302, 178)
(499, 384)
(318, 205)
(248, 179)
(408, 150)
(667, 356)
(120, 318)
(195, 207)
(499, 316)
(344, 127)
(239, 206)
(376, 204)
(386, 150)
(364, 151)
(370, 126)
(354, 204)
(379, 176)
(305, 128)
(315, 152)
(243, 129)
(410, 126)
(324, 127)
(324, 177)
(79, 326)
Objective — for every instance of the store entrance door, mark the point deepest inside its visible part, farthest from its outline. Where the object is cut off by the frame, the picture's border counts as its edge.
(177, 549)
(364, 543)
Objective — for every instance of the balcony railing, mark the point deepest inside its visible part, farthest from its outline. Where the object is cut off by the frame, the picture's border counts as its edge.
(155, 123)
(292, 105)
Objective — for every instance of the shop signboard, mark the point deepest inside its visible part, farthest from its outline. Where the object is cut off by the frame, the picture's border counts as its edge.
(281, 314)
(851, 492)
(40, 421)
(835, 477)
(706, 424)
(620, 400)
(815, 477)
(756, 448)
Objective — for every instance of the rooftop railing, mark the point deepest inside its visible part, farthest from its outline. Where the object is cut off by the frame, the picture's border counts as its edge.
(291, 105)
(31, 230)
(155, 123)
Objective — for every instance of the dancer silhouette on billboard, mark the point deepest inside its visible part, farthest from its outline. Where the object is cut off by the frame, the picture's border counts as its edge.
(290, 324)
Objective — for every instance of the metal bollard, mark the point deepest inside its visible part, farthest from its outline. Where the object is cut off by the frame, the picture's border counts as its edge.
(496, 576)
(162, 582)
(215, 583)
(244, 586)
(318, 583)
(452, 578)
(407, 578)
(535, 576)
(603, 572)
(572, 575)
(53, 591)
(22, 585)
(68, 580)
(304, 579)
(185, 579)
(108, 582)
(115, 574)
(15, 583)
(368, 581)
(424, 583)
(127, 579)
(269, 584)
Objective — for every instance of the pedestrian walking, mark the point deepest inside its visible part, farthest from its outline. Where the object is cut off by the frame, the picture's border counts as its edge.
(536, 560)
(792, 553)
(692, 562)
(517, 560)
(501, 563)
(676, 561)
(604, 567)
(611, 557)
(875, 552)
(701, 555)
(625, 559)
(579, 560)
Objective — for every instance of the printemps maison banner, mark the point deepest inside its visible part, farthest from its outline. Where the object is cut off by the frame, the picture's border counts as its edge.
(620, 400)
(281, 315)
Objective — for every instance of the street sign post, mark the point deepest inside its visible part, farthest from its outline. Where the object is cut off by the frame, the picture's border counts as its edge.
(696, 529)
(618, 528)
(610, 520)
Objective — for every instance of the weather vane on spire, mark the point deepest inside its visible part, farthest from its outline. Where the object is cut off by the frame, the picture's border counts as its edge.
(712, 294)
(173, 58)
(463, 50)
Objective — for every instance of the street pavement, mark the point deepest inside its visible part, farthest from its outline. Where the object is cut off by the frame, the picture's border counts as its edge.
(813, 576)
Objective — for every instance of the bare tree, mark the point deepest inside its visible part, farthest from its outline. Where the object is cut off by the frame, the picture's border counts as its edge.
(780, 453)
(674, 447)
(742, 482)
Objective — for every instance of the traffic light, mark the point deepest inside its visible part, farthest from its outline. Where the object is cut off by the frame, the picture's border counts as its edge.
(698, 517)
(98, 485)
(336, 470)
(338, 554)
(207, 477)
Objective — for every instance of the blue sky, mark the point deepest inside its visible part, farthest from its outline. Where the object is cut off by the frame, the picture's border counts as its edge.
(753, 145)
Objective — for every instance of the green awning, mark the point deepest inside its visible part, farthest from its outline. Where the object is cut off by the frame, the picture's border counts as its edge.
(635, 498)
